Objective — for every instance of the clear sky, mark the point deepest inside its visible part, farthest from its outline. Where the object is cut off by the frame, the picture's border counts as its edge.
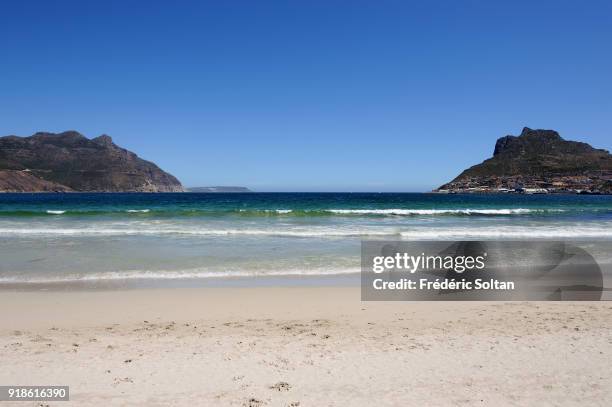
(308, 95)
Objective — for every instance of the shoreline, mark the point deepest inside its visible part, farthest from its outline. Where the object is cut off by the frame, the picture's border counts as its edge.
(301, 346)
(223, 281)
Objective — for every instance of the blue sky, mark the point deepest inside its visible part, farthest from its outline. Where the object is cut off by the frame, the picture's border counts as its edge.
(308, 95)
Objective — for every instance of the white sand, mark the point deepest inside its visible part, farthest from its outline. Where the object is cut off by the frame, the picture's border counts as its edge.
(303, 346)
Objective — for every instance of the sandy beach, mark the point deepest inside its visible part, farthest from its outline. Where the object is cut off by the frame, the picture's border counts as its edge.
(303, 346)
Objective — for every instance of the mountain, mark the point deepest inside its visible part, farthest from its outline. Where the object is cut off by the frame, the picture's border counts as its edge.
(69, 161)
(24, 181)
(540, 161)
(219, 189)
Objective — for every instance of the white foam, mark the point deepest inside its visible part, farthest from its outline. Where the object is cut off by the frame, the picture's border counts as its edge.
(600, 230)
(279, 211)
(506, 211)
(196, 273)
(323, 232)
(138, 210)
(55, 212)
(534, 232)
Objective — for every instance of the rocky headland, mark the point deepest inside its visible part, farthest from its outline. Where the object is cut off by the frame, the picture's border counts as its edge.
(537, 161)
(70, 162)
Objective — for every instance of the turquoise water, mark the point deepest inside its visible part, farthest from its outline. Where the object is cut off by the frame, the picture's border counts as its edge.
(119, 237)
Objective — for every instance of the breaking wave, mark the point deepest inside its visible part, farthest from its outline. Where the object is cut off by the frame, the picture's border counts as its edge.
(197, 212)
(195, 273)
(408, 212)
(603, 230)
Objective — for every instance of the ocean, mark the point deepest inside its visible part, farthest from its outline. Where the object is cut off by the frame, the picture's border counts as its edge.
(100, 239)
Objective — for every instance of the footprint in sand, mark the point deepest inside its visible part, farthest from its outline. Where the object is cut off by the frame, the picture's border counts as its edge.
(119, 380)
(253, 402)
(281, 386)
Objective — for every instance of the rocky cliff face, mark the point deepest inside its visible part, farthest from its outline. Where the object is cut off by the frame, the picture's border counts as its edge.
(24, 181)
(69, 161)
(539, 159)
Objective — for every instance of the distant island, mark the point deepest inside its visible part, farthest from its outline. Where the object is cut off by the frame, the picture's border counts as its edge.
(70, 162)
(218, 189)
(537, 161)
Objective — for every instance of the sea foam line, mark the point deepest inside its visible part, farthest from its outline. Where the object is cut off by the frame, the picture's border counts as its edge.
(505, 211)
(196, 273)
(306, 212)
(490, 232)
(211, 232)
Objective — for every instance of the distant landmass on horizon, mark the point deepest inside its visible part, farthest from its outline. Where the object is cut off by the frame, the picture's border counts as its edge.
(218, 189)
